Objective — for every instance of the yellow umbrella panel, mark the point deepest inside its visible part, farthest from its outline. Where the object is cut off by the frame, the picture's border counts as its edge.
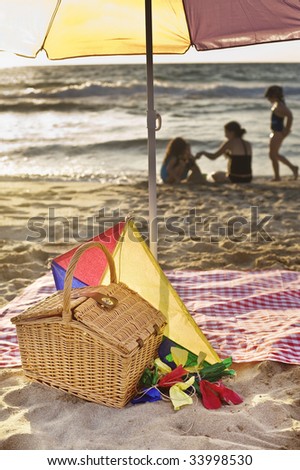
(76, 28)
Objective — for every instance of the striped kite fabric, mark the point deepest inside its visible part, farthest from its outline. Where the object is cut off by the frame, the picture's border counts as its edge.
(251, 316)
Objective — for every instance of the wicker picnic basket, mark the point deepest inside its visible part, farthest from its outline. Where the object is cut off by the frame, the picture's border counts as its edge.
(93, 342)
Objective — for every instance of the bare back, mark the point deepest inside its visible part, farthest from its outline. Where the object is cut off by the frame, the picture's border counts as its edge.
(238, 146)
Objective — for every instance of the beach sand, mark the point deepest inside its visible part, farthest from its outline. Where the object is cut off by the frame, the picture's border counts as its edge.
(196, 231)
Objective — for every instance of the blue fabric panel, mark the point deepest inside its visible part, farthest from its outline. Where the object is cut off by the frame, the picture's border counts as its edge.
(59, 275)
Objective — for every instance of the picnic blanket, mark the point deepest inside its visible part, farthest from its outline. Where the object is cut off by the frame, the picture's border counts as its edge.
(251, 316)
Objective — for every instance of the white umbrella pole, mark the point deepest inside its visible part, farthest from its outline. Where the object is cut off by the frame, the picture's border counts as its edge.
(151, 125)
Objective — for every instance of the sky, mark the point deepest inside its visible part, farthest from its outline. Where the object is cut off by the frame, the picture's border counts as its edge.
(288, 51)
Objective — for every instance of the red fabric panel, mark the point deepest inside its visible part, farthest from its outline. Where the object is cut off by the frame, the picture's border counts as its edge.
(92, 263)
(216, 24)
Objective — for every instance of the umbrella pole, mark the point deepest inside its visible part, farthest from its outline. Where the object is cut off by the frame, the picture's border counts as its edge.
(151, 125)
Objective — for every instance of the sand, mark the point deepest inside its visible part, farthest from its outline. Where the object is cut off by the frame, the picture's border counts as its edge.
(196, 231)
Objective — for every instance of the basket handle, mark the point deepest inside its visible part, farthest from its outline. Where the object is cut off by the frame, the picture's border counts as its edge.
(67, 314)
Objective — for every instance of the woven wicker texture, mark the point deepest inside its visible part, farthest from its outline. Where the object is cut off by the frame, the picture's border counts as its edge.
(128, 324)
(94, 350)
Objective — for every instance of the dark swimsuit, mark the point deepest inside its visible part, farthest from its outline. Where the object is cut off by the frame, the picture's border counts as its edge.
(240, 167)
(276, 122)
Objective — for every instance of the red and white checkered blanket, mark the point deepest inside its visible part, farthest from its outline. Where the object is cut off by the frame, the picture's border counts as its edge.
(251, 316)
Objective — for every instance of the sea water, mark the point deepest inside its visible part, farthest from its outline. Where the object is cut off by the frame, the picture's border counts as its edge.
(89, 121)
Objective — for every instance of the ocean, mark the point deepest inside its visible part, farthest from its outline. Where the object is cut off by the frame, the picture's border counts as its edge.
(88, 122)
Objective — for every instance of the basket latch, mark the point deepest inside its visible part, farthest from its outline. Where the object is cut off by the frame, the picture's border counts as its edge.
(105, 301)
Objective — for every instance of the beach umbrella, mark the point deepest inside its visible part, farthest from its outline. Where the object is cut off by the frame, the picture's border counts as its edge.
(81, 28)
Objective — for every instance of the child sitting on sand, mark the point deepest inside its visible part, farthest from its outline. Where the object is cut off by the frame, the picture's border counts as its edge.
(281, 123)
(239, 154)
(179, 164)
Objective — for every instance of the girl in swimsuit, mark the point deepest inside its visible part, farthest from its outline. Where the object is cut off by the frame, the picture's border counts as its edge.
(281, 123)
(179, 164)
(238, 152)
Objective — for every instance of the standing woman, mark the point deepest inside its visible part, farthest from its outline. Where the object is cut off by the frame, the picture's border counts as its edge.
(238, 152)
(281, 123)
